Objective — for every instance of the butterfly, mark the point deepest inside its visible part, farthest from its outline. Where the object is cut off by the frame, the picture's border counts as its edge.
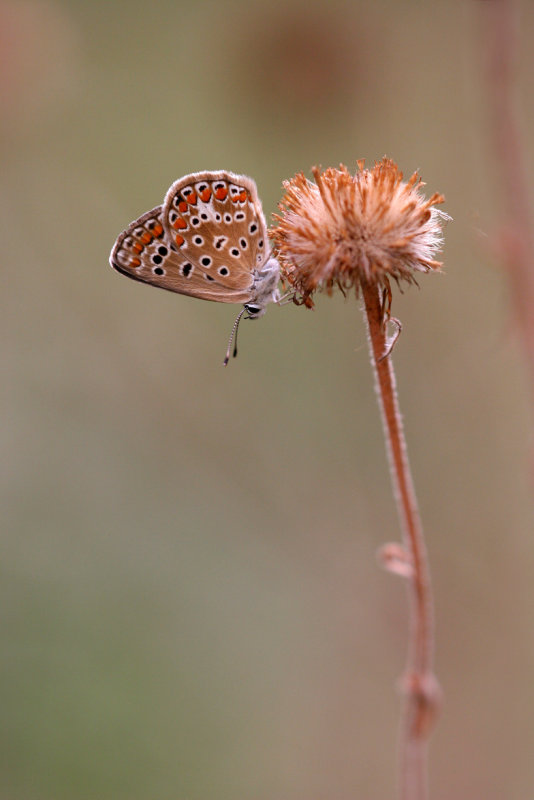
(208, 240)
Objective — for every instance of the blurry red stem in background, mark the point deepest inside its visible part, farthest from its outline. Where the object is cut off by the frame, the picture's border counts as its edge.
(516, 239)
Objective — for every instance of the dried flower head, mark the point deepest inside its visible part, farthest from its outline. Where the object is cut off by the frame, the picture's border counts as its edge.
(345, 230)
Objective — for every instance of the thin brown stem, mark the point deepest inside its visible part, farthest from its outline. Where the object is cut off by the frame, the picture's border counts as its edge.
(419, 684)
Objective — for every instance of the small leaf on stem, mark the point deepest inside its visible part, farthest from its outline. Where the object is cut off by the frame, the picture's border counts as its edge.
(394, 558)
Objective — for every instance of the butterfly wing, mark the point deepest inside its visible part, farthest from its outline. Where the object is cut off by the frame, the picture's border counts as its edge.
(215, 220)
(145, 253)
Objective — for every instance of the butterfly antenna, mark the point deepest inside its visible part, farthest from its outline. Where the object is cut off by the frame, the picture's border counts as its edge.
(233, 338)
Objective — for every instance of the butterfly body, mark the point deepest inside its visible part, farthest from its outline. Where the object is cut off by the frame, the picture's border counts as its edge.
(207, 240)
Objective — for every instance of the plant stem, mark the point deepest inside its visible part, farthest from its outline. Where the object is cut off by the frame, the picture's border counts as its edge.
(516, 237)
(419, 685)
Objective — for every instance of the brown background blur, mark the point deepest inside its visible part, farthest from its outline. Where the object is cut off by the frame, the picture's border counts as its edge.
(190, 601)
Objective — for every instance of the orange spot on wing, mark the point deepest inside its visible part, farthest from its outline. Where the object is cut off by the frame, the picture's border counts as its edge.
(179, 224)
(221, 193)
(158, 230)
(146, 237)
(137, 247)
(182, 206)
(179, 240)
(192, 199)
(135, 262)
(205, 195)
(243, 196)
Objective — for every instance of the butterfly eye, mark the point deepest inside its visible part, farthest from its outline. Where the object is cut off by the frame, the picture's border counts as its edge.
(252, 309)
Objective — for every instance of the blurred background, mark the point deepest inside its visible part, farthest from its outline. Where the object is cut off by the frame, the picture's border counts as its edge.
(191, 605)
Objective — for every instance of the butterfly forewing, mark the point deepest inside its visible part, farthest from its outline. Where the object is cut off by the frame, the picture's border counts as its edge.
(215, 220)
(146, 253)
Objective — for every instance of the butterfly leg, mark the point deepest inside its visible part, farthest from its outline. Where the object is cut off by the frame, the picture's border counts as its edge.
(286, 298)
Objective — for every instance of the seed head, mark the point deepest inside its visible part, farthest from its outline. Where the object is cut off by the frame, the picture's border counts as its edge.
(344, 230)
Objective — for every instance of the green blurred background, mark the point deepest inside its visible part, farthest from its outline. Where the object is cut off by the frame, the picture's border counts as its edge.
(190, 601)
